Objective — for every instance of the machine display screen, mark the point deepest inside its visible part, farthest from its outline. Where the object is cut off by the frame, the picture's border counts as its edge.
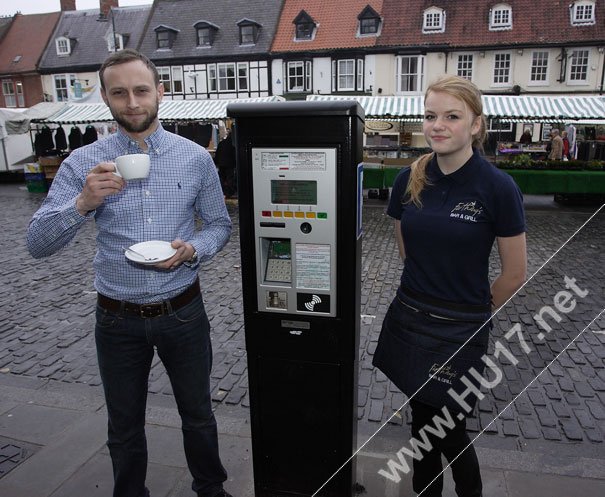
(302, 192)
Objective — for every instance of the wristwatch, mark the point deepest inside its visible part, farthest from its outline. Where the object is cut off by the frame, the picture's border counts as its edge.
(193, 261)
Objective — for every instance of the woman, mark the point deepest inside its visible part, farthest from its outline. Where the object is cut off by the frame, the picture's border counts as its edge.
(449, 207)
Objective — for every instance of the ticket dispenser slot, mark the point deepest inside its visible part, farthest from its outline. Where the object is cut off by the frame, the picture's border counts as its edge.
(299, 193)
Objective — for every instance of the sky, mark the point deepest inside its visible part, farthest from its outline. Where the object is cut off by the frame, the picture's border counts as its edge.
(10, 7)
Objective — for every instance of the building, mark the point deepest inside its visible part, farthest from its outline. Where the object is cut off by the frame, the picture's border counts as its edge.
(82, 40)
(212, 50)
(21, 48)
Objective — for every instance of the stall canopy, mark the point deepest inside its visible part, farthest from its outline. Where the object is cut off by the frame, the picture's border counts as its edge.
(518, 108)
(170, 110)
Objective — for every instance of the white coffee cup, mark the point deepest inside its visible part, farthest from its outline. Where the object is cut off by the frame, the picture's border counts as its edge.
(132, 166)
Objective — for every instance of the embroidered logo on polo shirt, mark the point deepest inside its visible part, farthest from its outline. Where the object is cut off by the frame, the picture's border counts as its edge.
(467, 211)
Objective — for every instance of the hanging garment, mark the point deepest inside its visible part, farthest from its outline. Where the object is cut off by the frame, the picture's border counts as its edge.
(60, 139)
(43, 142)
(75, 138)
(90, 135)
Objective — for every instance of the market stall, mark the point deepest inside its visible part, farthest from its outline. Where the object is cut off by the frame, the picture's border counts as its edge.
(504, 112)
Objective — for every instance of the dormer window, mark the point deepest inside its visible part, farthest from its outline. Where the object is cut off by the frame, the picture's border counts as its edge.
(205, 33)
(305, 26)
(114, 44)
(63, 46)
(501, 17)
(165, 36)
(582, 13)
(369, 22)
(434, 20)
(248, 31)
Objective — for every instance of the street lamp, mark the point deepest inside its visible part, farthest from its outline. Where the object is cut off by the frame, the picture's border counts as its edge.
(103, 18)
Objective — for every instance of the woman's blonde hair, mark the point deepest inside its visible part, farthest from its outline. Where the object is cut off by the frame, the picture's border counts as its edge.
(461, 89)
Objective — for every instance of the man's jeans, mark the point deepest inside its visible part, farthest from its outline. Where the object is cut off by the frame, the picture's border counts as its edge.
(125, 349)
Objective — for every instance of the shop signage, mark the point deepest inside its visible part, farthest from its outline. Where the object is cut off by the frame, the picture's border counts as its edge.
(378, 125)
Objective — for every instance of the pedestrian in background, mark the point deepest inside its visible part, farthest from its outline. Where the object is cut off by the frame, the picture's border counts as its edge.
(449, 208)
(556, 147)
(565, 145)
(142, 308)
(526, 137)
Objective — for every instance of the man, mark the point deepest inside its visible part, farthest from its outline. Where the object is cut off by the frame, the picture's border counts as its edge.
(556, 150)
(142, 307)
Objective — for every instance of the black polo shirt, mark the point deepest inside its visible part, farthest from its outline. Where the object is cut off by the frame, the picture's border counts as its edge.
(449, 239)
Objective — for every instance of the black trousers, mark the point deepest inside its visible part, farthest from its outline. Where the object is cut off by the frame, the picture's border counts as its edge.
(465, 468)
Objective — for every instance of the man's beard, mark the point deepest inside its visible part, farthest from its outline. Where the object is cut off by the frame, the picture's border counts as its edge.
(136, 128)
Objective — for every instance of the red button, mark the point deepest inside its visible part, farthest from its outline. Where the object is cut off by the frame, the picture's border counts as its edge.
(266, 213)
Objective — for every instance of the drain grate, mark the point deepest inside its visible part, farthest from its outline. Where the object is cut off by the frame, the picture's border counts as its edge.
(13, 453)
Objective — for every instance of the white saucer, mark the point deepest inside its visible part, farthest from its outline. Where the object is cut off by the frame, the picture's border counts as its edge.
(154, 248)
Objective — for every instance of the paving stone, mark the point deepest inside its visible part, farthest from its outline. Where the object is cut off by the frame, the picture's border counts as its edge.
(376, 408)
(545, 417)
(529, 428)
(571, 429)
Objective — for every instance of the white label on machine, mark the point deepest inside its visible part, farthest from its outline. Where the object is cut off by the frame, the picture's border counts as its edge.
(293, 161)
(313, 266)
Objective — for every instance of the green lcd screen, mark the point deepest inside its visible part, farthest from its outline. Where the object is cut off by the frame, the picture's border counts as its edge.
(303, 192)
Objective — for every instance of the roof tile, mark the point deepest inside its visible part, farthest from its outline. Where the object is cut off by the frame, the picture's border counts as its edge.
(27, 37)
(336, 25)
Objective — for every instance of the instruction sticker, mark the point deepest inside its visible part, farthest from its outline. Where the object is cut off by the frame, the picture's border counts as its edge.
(293, 161)
(313, 266)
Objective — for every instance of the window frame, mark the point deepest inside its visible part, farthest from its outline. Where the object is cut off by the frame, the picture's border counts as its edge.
(204, 41)
(581, 6)
(226, 77)
(369, 22)
(461, 68)
(245, 77)
(305, 67)
(541, 66)
(499, 9)
(163, 36)
(419, 77)
(583, 68)
(205, 27)
(176, 75)
(69, 80)
(110, 42)
(9, 93)
(428, 20)
(354, 74)
(509, 76)
(165, 78)
(244, 25)
(304, 27)
(212, 76)
(19, 90)
(63, 46)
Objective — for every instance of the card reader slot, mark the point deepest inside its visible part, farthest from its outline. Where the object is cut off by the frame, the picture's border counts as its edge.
(272, 224)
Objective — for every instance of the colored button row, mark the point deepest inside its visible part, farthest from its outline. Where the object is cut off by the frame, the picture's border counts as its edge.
(296, 214)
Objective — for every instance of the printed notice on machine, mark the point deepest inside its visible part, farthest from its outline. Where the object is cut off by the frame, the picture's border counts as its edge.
(294, 161)
(313, 266)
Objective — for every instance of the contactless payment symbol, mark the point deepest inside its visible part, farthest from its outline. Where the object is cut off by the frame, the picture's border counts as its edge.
(312, 302)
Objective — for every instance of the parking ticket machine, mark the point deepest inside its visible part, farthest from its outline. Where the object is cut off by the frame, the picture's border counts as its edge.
(299, 191)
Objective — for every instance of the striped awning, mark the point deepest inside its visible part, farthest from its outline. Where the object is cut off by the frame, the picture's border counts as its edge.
(520, 108)
(170, 110)
(411, 108)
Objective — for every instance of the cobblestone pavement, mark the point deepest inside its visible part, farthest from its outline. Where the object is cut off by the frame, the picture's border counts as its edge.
(47, 315)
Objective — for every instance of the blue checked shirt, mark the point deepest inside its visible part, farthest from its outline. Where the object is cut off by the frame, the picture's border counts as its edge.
(182, 181)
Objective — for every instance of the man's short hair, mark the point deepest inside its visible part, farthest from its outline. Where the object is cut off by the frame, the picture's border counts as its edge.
(124, 56)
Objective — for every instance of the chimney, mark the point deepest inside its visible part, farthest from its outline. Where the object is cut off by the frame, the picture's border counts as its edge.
(105, 5)
(68, 5)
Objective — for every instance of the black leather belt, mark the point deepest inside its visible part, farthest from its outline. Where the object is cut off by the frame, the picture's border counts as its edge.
(154, 309)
